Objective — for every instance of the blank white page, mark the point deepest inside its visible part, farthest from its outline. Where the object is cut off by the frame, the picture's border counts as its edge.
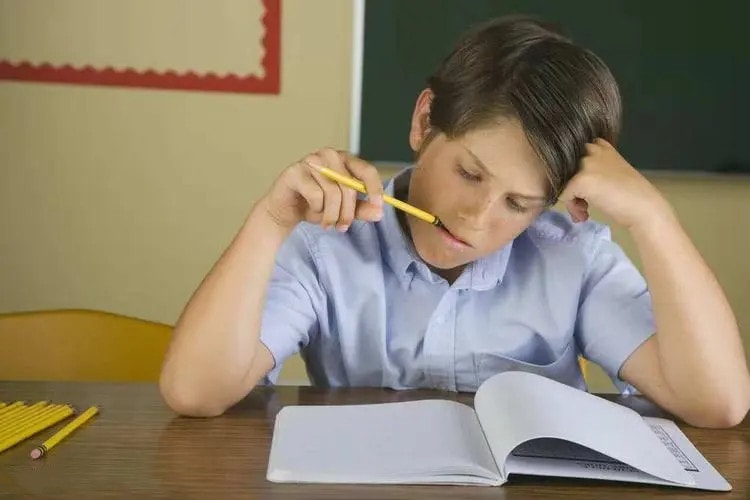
(515, 407)
(428, 441)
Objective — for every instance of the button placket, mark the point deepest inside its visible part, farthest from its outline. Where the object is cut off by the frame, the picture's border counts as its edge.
(439, 344)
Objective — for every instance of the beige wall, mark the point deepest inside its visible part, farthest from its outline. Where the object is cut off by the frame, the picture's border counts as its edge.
(121, 199)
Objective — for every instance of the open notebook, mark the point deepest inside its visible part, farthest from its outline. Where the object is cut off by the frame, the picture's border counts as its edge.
(522, 424)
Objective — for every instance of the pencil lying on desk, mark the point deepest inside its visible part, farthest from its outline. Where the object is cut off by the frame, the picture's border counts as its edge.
(9, 415)
(34, 418)
(359, 186)
(81, 419)
(46, 418)
(6, 412)
(21, 416)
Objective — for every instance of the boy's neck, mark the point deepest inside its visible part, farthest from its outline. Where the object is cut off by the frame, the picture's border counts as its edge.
(401, 192)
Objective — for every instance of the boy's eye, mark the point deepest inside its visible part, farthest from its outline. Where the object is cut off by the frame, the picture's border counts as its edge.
(514, 205)
(468, 175)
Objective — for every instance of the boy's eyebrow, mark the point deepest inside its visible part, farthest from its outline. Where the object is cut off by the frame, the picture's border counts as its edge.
(486, 170)
(478, 162)
(529, 197)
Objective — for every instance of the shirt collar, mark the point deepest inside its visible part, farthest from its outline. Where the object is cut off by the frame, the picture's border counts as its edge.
(483, 274)
(487, 272)
(396, 246)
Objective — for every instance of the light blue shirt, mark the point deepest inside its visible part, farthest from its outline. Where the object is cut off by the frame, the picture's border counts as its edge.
(364, 310)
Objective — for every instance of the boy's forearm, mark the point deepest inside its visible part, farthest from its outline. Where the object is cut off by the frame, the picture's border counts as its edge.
(216, 338)
(700, 351)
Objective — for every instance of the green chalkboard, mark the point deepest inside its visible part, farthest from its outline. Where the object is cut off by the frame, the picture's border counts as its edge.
(683, 68)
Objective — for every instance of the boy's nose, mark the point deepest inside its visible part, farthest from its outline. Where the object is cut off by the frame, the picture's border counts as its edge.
(478, 212)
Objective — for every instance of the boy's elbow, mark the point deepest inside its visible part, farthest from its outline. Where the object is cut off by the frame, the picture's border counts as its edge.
(723, 411)
(739, 407)
(186, 401)
(730, 415)
(735, 405)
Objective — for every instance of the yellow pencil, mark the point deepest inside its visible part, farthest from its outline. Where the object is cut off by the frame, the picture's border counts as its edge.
(31, 419)
(81, 419)
(22, 408)
(25, 415)
(38, 426)
(10, 407)
(13, 411)
(359, 186)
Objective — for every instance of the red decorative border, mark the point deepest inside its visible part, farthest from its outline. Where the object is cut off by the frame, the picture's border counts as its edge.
(269, 84)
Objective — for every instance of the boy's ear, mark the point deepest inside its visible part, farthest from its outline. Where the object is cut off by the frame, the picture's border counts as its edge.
(420, 120)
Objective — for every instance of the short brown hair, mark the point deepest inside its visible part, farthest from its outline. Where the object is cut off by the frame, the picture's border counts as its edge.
(519, 67)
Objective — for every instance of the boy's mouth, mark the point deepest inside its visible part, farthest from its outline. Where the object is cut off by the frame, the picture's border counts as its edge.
(453, 237)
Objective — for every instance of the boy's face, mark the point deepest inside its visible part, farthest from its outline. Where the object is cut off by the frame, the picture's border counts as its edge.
(486, 187)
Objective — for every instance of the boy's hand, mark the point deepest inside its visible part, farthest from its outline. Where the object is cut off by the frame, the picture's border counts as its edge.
(607, 182)
(302, 194)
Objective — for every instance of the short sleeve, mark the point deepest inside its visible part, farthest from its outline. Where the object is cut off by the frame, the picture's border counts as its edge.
(615, 314)
(293, 296)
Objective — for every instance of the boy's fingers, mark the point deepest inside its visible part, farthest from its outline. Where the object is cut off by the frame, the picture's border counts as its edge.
(368, 174)
(348, 207)
(578, 209)
(332, 201)
(367, 211)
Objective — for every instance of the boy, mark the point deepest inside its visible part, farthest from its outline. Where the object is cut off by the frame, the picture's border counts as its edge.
(515, 118)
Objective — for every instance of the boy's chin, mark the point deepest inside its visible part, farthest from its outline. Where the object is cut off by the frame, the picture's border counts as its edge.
(442, 262)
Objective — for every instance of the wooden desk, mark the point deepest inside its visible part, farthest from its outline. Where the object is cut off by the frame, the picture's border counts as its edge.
(137, 447)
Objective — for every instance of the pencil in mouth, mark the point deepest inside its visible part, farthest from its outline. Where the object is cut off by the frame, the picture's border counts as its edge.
(443, 227)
